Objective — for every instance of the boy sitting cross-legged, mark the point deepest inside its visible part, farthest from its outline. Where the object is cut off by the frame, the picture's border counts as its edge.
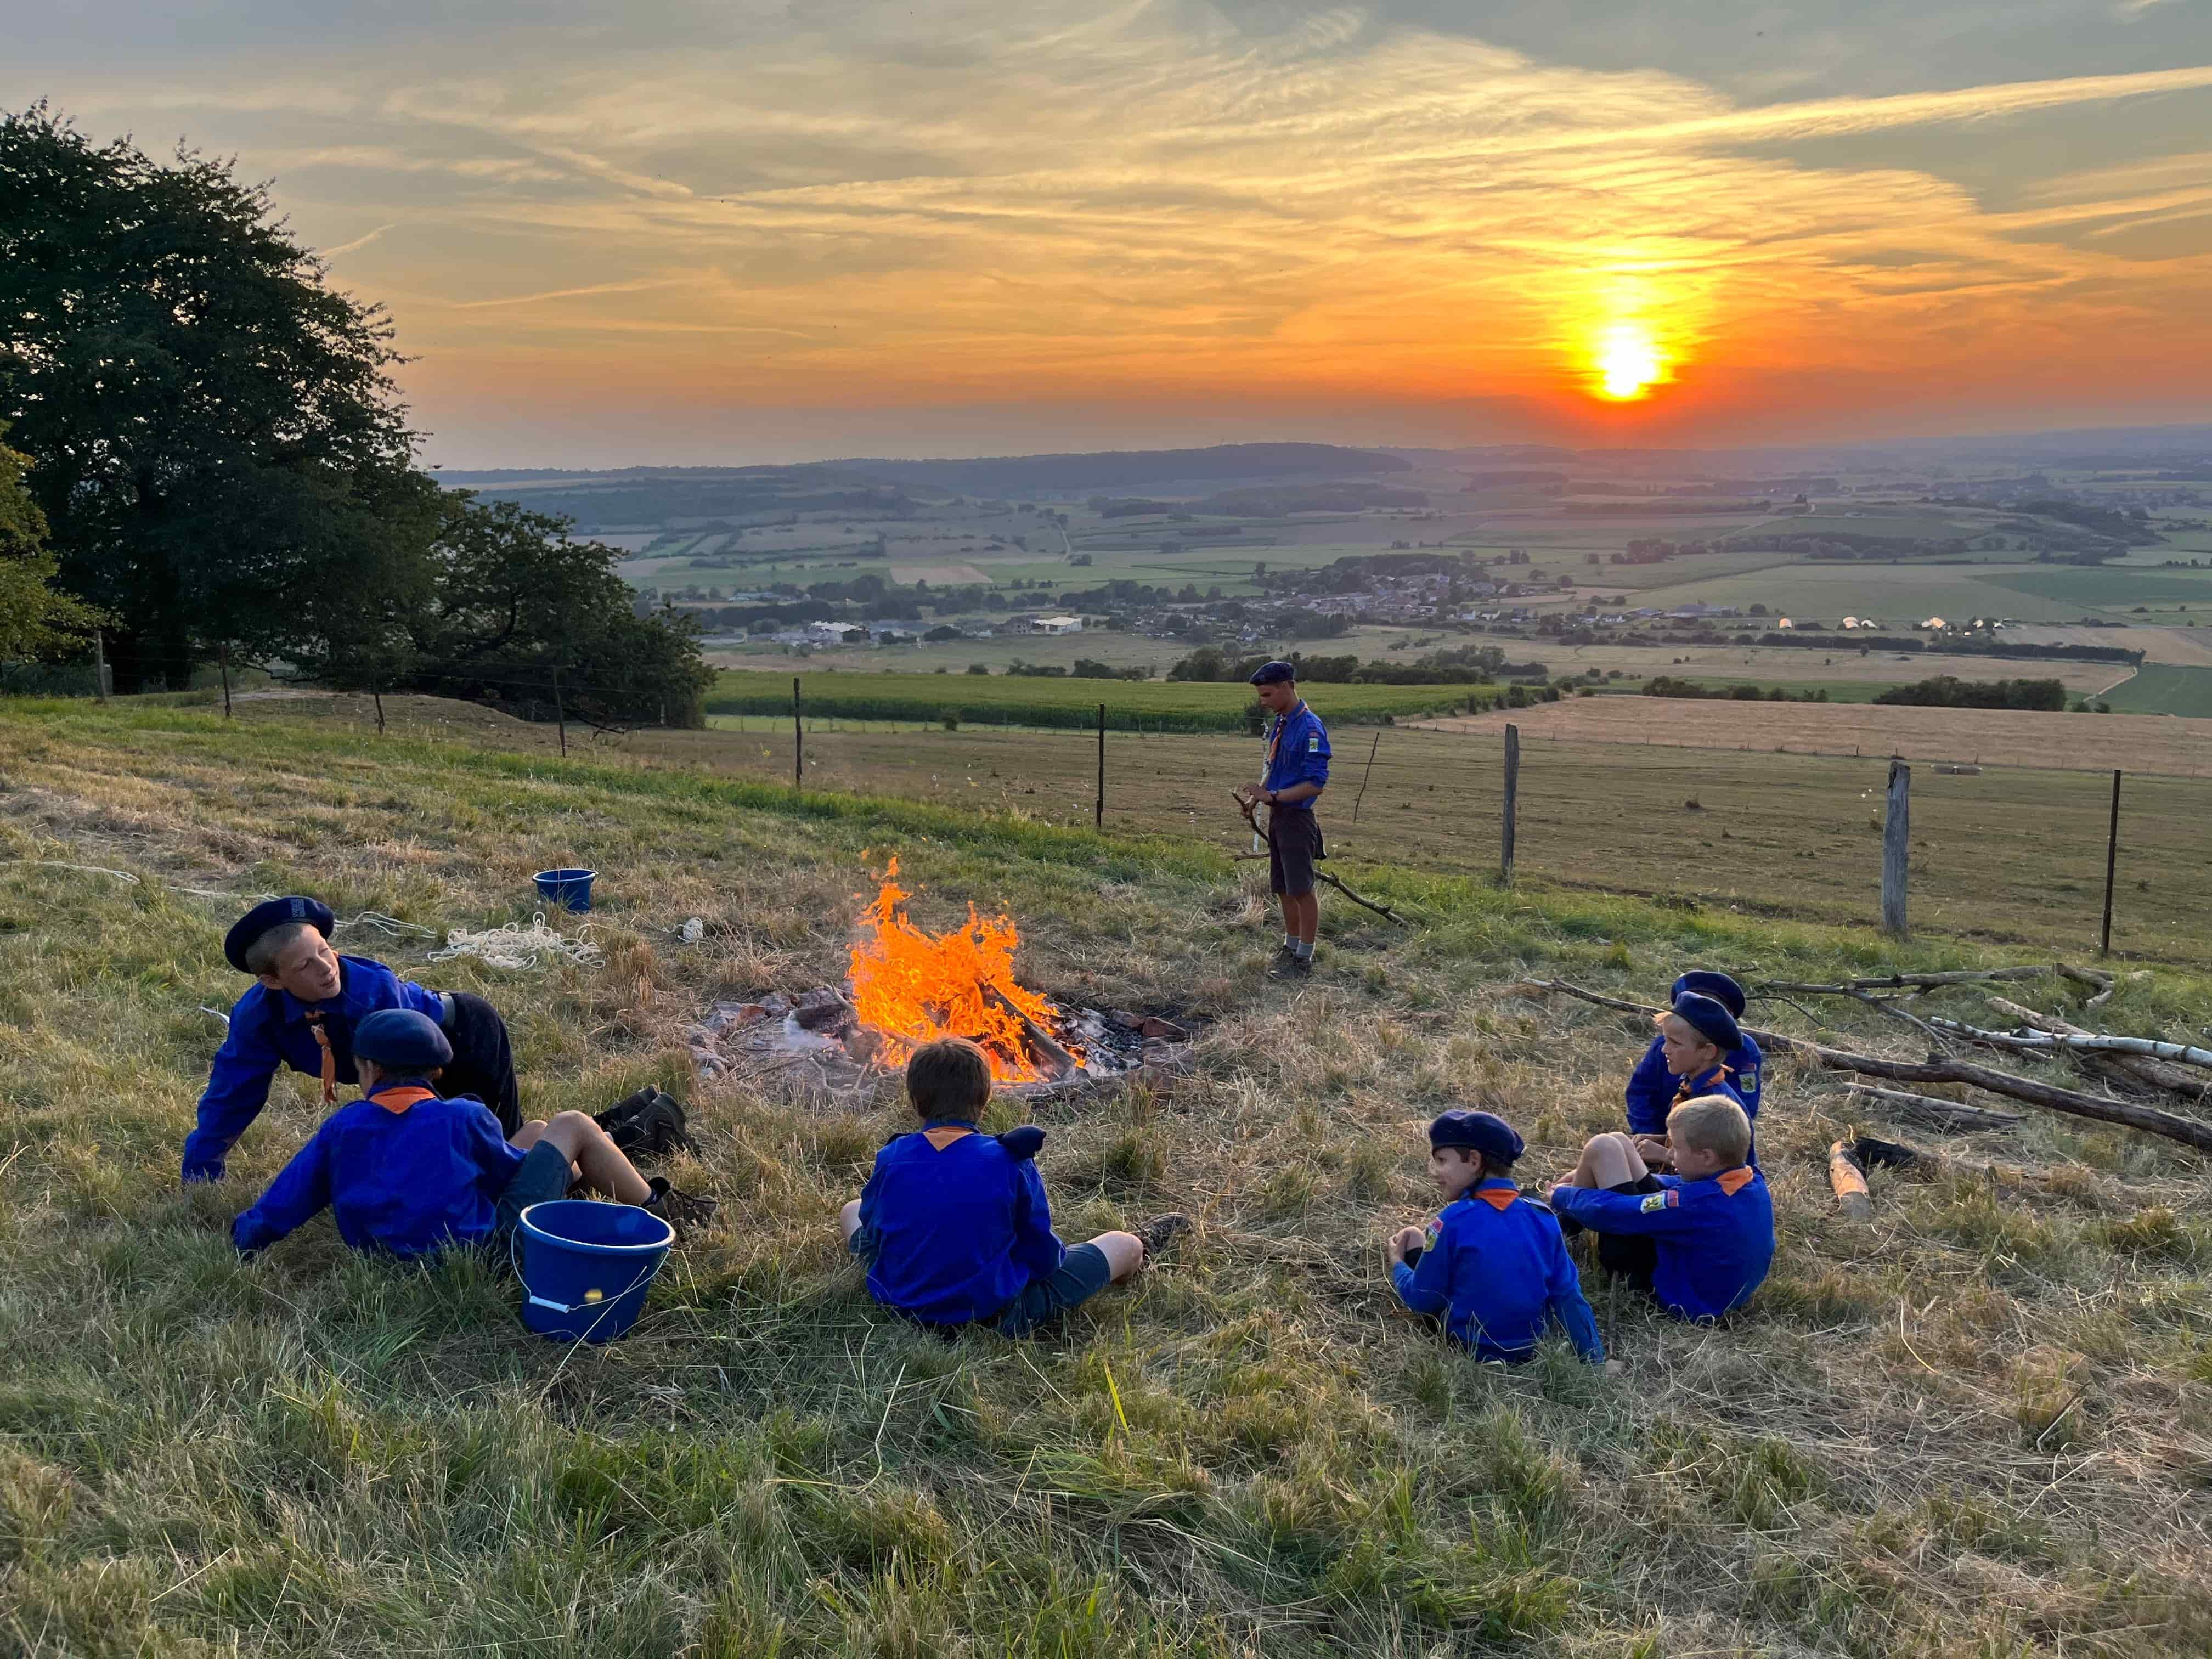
(1699, 1241)
(405, 1172)
(1492, 1263)
(954, 1224)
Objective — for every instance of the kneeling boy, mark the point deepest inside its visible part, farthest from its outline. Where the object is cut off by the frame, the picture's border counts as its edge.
(954, 1224)
(1492, 1263)
(303, 1013)
(1700, 1240)
(405, 1172)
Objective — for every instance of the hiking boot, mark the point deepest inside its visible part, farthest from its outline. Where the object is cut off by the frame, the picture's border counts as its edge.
(1289, 965)
(680, 1210)
(649, 1123)
(1161, 1231)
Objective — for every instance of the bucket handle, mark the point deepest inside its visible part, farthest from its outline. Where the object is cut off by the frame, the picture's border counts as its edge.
(532, 1299)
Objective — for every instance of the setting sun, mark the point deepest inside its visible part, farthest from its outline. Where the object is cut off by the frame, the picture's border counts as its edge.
(1629, 363)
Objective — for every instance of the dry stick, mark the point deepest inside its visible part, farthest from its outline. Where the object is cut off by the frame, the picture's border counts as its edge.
(2189, 1130)
(1946, 1114)
(1925, 982)
(2134, 1068)
(1368, 773)
(2047, 1042)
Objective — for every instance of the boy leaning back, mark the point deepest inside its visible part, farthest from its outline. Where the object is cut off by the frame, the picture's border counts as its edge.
(954, 1223)
(1492, 1263)
(1698, 1241)
(406, 1172)
(302, 1012)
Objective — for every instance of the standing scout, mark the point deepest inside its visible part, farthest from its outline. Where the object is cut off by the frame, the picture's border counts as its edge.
(1297, 771)
(303, 1013)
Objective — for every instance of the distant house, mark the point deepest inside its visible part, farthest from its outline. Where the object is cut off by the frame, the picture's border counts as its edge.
(1059, 625)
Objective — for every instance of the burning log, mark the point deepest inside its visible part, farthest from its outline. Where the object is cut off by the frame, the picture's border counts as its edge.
(1048, 1053)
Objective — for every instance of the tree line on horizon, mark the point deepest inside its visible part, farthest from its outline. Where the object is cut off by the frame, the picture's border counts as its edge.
(204, 455)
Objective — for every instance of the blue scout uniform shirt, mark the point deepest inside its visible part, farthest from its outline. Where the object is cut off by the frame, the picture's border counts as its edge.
(1715, 1237)
(1500, 1265)
(1297, 752)
(403, 1172)
(269, 1029)
(1652, 1088)
(961, 1226)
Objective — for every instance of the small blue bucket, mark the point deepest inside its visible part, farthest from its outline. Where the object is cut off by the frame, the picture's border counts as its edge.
(585, 1267)
(569, 888)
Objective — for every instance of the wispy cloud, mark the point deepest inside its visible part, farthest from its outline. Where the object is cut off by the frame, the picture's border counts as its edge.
(361, 242)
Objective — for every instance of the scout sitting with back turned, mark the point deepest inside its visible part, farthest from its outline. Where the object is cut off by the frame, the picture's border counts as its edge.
(303, 1012)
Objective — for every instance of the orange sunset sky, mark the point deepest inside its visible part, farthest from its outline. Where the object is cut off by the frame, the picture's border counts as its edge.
(710, 233)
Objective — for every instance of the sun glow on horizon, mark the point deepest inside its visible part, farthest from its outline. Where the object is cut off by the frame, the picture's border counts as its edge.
(1628, 363)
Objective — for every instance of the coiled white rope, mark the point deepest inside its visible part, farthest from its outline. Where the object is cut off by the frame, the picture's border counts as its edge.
(516, 946)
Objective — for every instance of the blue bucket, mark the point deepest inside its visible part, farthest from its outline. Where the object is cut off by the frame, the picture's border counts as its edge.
(571, 888)
(585, 1267)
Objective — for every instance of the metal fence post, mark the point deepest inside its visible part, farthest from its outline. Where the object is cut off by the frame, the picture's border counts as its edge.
(1098, 816)
(1512, 795)
(798, 736)
(2112, 865)
(1896, 849)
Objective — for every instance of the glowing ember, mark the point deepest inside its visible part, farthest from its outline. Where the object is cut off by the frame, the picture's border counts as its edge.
(914, 988)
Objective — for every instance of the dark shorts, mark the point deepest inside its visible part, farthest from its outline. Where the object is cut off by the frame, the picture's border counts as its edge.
(1631, 1259)
(1082, 1273)
(543, 1177)
(483, 1063)
(1293, 845)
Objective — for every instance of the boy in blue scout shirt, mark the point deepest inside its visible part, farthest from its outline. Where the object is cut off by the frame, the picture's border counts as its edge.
(1492, 1263)
(1297, 771)
(406, 1172)
(1696, 1035)
(1708, 1228)
(954, 1224)
(303, 1012)
(1652, 1089)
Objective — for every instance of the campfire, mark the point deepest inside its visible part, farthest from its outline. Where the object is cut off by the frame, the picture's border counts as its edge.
(908, 987)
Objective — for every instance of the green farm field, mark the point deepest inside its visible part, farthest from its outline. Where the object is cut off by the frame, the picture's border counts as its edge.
(1901, 593)
(1980, 1425)
(2164, 689)
(1119, 650)
(1000, 699)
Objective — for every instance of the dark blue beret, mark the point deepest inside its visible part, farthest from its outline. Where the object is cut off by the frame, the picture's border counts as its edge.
(1709, 1020)
(275, 913)
(399, 1039)
(1719, 987)
(1022, 1143)
(1482, 1132)
(1274, 673)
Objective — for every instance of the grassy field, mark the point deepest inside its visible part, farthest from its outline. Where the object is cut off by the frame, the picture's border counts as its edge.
(2163, 688)
(2117, 589)
(1981, 1424)
(1120, 650)
(1031, 701)
(1900, 593)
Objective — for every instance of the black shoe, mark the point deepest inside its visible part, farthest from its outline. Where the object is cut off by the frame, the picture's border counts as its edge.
(682, 1211)
(648, 1124)
(1162, 1231)
(1289, 965)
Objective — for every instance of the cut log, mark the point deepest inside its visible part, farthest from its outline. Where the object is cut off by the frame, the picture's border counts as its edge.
(1944, 1114)
(2190, 1131)
(1848, 1180)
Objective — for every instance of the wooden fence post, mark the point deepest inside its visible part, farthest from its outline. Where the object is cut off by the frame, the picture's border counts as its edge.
(560, 713)
(2111, 864)
(1512, 795)
(103, 678)
(1896, 849)
(223, 661)
(1098, 816)
(797, 737)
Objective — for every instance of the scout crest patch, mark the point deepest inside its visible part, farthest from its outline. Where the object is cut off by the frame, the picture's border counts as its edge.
(1653, 1201)
(1434, 1230)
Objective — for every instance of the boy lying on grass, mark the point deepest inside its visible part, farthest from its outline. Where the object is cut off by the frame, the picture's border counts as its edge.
(1698, 1241)
(954, 1224)
(303, 1013)
(1654, 1089)
(406, 1172)
(1492, 1263)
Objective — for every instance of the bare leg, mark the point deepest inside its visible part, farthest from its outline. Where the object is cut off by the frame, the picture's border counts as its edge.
(1609, 1160)
(598, 1161)
(1124, 1253)
(848, 1219)
(526, 1137)
(1302, 917)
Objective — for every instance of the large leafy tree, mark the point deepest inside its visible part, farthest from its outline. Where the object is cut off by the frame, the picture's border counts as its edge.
(215, 437)
(35, 620)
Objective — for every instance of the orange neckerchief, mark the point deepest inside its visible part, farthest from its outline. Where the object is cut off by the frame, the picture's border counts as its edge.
(315, 1018)
(1275, 736)
(943, 1134)
(1499, 1198)
(1733, 1181)
(1682, 1089)
(397, 1099)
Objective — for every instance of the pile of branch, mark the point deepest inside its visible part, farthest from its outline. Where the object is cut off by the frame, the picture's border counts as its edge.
(1940, 1068)
(1915, 984)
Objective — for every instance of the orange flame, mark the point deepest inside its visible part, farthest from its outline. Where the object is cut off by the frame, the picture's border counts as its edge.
(914, 987)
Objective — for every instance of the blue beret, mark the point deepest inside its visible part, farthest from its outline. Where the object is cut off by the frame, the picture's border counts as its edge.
(1274, 673)
(275, 913)
(1482, 1132)
(401, 1040)
(1022, 1143)
(1709, 1020)
(1719, 987)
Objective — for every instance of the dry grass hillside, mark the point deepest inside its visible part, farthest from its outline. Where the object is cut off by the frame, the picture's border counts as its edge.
(1979, 1426)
